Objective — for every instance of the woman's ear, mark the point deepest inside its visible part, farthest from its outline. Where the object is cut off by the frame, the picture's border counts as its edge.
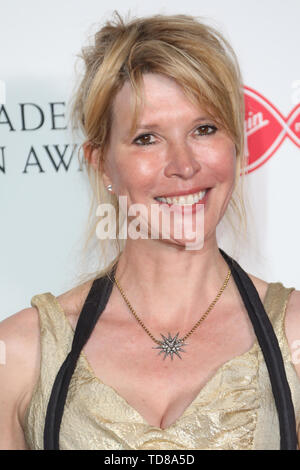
(92, 154)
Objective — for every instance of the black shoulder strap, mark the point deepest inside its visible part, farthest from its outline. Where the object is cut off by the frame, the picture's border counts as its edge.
(269, 345)
(95, 304)
(93, 307)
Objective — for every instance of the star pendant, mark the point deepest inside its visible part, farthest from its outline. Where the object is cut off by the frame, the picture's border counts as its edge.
(170, 346)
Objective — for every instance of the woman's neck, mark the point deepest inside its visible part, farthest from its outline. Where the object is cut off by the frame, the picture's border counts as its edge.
(169, 285)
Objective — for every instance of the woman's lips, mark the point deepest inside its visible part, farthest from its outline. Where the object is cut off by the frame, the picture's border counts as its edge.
(192, 207)
(185, 193)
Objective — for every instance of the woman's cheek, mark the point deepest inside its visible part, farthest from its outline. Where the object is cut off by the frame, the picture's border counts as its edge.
(223, 162)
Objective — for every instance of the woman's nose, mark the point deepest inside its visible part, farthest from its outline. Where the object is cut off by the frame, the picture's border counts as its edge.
(181, 162)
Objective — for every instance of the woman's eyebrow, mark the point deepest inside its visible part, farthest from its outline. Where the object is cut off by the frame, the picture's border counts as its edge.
(156, 126)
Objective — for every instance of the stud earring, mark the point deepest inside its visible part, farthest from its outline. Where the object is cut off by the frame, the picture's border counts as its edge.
(109, 187)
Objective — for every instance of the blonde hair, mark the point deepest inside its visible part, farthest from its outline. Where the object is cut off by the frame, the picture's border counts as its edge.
(179, 46)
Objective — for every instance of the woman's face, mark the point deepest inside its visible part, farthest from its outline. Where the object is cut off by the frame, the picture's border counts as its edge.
(176, 150)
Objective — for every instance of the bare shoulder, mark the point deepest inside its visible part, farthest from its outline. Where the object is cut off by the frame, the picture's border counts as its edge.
(19, 369)
(21, 332)
(20, 363)
(20, 335)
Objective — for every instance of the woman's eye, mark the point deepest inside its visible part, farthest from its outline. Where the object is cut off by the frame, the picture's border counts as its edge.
(206, 129)
(144, 139)
(148, 139)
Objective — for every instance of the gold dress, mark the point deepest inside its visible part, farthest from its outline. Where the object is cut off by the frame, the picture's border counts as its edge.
(234, 410)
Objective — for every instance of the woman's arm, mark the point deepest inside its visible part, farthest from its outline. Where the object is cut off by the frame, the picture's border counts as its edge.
(19, 366)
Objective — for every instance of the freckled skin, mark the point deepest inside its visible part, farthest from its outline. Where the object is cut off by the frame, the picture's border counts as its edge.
(180, 157)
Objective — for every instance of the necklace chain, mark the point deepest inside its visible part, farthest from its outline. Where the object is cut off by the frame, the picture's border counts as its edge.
(194, 327)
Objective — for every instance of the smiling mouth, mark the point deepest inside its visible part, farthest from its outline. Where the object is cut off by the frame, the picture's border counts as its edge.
(188, 199)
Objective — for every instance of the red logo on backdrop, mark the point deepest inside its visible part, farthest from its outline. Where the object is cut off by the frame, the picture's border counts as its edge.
(266, 128)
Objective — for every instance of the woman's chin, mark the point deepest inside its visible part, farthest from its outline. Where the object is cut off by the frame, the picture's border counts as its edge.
(194, 243)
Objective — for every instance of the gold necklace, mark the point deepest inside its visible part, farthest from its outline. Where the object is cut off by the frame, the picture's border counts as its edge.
(168, 345)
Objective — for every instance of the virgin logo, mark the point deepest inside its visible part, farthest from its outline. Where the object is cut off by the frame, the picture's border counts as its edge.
(266, 128)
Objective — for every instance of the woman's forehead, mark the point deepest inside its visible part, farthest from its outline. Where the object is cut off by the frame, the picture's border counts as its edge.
(162, 98)
(153, 86)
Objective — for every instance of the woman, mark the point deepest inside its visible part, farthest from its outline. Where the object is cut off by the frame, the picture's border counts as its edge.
(173, 361)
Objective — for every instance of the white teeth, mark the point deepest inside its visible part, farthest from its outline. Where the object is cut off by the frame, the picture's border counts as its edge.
(182, 200)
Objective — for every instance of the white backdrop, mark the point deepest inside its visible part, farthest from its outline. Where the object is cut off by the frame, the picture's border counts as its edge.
(44, 206)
